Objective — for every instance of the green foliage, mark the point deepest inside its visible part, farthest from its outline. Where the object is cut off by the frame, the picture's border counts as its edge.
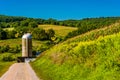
(7, 48)
(50, 33)
(91, 60)
(8, 57)
(92, 35)
(33, 24)
(11, 34)
(3, 34)
(89, 24)
(24, 23)
(39, 34)
(60, 31)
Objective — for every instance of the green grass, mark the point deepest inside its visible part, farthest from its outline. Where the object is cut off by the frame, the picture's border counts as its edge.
(9, 29)
(14, 42)
(93, 60)
(4, 67)
(59, 30)
(94, 34)
(84, 57)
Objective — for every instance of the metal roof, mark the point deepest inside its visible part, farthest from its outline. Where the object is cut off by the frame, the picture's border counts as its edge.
(27, 36)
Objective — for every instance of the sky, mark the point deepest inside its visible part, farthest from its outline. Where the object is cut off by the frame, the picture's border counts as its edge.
(60, 9)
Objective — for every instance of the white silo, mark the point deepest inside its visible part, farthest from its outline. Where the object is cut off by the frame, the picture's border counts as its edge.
(27, 45)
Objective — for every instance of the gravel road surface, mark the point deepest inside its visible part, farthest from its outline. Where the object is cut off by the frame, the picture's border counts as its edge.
(20, 71)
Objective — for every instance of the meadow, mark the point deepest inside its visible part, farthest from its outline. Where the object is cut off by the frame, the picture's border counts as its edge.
(14, 42)
(83, 58)
(59, 30)
(93, 60)
(94, 34)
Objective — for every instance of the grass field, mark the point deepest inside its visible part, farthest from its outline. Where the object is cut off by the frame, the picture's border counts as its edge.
(92, 60)
(94, 34)
(86, 57)
(59, 30)
(9, 29)
(4, 66)
(14, 42)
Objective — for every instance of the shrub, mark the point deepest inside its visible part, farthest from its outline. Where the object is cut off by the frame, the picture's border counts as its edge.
(8, 57)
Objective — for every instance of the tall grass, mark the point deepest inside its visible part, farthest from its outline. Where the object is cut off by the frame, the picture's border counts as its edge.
(92, 60)
(94, 34)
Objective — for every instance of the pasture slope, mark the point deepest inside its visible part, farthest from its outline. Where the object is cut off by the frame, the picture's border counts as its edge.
(59, 30)
(92, 56)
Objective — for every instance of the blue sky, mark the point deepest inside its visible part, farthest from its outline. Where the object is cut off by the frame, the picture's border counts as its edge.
(60, 9)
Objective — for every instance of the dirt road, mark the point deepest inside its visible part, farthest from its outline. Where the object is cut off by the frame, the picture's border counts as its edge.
(20, 71)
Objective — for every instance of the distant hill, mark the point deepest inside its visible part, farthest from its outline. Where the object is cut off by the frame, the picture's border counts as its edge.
(59, 30)
(90, 56)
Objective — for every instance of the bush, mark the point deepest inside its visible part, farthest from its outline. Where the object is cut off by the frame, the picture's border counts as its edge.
(4, 48)
(9, 49)
(15, 49)
(8, 57)
(39, 34)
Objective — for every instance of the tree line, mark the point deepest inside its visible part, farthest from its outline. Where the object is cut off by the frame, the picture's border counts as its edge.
(37, 33)
(13, 21)
(83, 25)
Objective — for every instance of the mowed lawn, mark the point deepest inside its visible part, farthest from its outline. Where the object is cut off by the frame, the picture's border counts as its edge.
(59, 30)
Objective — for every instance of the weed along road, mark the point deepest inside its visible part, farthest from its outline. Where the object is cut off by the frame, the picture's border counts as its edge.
(20, 71)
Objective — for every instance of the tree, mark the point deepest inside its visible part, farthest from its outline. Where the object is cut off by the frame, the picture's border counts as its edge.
(33, 24)
(3, 34)
(24, 23)
(39, 34)
(11, 34)
(50, 34)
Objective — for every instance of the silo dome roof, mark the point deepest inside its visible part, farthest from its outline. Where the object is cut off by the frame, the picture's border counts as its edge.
(27, 36)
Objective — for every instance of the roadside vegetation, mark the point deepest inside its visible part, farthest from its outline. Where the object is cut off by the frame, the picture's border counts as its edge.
(91, 60)
(4, 66)
(90, 56)
(94, 34)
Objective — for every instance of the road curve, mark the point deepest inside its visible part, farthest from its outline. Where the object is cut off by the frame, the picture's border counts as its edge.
(20, 71)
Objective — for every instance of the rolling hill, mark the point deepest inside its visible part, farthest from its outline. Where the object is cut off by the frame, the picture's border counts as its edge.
(90, 56)
(59, 30)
